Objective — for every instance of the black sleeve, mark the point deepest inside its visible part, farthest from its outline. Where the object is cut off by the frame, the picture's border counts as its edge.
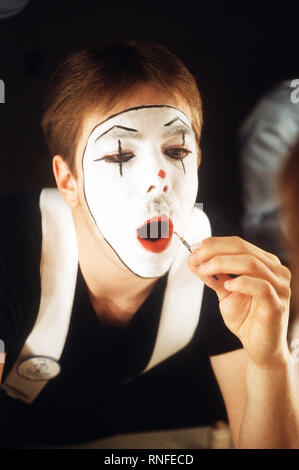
(20, 244)
(212, 331)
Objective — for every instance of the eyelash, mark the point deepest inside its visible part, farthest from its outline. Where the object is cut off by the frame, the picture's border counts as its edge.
(177, 149)
(126, 156)
(123, 157)
(119, 157)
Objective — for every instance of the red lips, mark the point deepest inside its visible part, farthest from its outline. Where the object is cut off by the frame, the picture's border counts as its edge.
(156, 233)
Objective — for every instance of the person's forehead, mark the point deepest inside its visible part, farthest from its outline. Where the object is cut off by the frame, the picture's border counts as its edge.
(142, 121)
(140, 96)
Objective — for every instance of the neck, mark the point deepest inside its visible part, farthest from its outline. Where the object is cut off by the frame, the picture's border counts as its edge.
(107, 279)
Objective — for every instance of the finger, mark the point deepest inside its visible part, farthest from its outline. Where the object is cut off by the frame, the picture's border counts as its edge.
(261, 290)
(212, 246)
(214, 282)
(243, 265)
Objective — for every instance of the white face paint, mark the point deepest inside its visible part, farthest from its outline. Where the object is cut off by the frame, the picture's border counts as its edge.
(140, 184)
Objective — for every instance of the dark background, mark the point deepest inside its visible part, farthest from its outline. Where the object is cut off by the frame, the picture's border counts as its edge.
(236, 54)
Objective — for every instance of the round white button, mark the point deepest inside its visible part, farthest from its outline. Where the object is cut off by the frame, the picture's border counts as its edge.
(38, 368)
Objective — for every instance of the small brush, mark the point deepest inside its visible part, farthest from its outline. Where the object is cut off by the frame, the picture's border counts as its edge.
(183, 241)
(189, 248)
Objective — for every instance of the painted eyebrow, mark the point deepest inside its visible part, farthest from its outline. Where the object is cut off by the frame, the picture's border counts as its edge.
(121, 133)
(178, 129)
(175, 120)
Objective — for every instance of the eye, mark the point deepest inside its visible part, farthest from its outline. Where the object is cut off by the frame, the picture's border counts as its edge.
(177, 153)
(120, 158)
(117, 158)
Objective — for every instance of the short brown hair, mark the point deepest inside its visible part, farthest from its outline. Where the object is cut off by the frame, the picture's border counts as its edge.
(97, 77)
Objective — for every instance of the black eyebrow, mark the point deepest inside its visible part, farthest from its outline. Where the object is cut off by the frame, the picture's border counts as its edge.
(177, 119)
(128, 129)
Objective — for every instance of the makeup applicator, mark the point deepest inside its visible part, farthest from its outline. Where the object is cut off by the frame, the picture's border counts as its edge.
(190, 249)
(183, 241)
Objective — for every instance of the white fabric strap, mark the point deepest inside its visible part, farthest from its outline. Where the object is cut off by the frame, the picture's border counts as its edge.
(58, 269)
(39, 359)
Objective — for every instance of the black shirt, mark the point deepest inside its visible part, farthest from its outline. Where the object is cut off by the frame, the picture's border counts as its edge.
(100, 391)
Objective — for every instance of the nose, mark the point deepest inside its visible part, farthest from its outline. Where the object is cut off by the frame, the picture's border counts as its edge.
(160, 182)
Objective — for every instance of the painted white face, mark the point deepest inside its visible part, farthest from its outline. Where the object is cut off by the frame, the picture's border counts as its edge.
(140, 184)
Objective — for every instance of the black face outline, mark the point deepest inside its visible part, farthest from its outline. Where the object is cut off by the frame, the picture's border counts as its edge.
(127, 129)
(84, 192)
(133, 130)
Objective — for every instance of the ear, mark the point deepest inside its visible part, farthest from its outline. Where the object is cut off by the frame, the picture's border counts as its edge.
(66, 182)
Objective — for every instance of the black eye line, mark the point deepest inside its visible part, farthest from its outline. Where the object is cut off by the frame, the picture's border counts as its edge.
(120, 151)
(183, 165)
(119, 154)
(183, 136)
(181, 158)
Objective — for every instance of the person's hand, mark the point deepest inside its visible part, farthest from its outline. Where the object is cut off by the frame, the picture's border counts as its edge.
(255, 302)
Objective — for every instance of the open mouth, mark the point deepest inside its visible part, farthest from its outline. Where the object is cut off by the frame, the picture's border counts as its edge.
(156, 233)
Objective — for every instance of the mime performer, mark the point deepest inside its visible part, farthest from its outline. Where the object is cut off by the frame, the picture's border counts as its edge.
(97, 288)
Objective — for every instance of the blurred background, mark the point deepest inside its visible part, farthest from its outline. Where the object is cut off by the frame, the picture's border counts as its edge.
(236, 54)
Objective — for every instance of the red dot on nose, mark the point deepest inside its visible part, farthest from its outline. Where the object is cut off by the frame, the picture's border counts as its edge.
(162, 174)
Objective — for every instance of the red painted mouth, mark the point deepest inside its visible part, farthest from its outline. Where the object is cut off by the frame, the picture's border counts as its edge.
(156, 233)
